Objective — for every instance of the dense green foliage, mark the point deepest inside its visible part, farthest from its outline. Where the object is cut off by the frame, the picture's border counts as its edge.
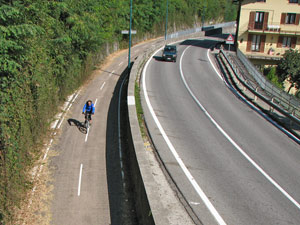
(273, 77)
(47, 50)
(289, 66)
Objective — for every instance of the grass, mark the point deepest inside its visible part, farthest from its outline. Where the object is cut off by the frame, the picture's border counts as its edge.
(139, 109)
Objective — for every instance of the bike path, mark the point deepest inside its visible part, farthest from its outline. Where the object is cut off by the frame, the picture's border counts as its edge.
(79, 169)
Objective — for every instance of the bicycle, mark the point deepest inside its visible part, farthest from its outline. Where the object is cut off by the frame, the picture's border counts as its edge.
(87, 123)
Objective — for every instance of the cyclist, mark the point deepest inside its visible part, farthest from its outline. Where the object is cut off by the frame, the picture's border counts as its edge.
(88, 110)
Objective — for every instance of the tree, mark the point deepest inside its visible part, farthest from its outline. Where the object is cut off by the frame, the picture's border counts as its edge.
(289, 67)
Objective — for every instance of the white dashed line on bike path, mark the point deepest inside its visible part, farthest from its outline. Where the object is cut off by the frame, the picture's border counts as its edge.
(102, 85)
(87, 134)
(111, 73)
(79, 181)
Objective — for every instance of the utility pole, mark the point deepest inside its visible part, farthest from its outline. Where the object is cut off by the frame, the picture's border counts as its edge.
(166, 28)
(130, 34)
(203, 16)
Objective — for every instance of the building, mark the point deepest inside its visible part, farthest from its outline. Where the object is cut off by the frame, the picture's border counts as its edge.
(267, 28)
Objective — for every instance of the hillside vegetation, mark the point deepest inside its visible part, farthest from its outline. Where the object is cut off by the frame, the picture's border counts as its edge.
(48, 49)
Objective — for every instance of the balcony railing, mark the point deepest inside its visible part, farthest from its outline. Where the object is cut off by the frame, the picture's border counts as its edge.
(274, 28)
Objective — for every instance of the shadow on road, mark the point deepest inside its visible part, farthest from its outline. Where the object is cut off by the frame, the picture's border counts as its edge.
(212, 44)
(78, 124)
(158, 58)
(110, 72)
(121, 200)
(200, 43)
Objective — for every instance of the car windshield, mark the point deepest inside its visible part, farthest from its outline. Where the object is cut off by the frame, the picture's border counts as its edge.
(170, 49)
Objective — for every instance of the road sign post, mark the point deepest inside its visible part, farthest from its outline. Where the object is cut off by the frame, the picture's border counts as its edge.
(230, 40)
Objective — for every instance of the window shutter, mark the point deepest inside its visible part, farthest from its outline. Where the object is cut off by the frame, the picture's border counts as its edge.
(251, 20)
(249, 43)
(283, 15)
(266, 16)
(262, 43)
(279, 43)
(293, 42)
(297, 19)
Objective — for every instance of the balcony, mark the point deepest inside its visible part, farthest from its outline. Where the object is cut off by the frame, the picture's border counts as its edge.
(274, 28)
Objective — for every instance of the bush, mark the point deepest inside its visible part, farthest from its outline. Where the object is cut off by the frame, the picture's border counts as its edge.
(272, 76)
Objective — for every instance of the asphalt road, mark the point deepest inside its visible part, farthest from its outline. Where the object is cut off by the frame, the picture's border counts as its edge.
(231, 164)
(89, 171)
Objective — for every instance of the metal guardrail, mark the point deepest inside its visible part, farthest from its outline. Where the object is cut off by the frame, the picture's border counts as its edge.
(289, 102)
(263, 98)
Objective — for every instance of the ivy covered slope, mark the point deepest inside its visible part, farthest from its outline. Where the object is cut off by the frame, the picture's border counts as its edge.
(46, 51)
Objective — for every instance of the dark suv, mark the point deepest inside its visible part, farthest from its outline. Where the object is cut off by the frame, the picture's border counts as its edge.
(170, 53)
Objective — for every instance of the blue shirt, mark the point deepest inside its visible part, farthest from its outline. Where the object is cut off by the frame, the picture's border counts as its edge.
(88, 108)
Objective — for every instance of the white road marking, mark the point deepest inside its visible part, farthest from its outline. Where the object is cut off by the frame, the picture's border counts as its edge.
(102, 85)
(62, 118)
(46, 153)
(253, 106)
(269, 178)
(49, 146)
(121, 63)
(87, 134)
(60, 122)
(75, 97)
(211, 63)
(111, 73)
(195, 203)
(187, 173)
(130, 100)
(79, 181)
(96, 102)
(73, 101)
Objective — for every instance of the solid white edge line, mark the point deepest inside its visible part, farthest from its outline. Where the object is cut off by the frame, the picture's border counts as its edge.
(79, 181)
(253, 106)
(211, 63)
(75, 97)
(60, 122)
(271, 180)
(54, 124)
(48, 148)
(197, 188)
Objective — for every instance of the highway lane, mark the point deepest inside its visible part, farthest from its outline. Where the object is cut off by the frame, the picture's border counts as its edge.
(212, 137)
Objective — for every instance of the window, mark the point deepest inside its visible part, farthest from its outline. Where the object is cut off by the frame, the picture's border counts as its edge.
(259, 20)
(293, 1)
(290, 18)
(287, 42)
(255, 45)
